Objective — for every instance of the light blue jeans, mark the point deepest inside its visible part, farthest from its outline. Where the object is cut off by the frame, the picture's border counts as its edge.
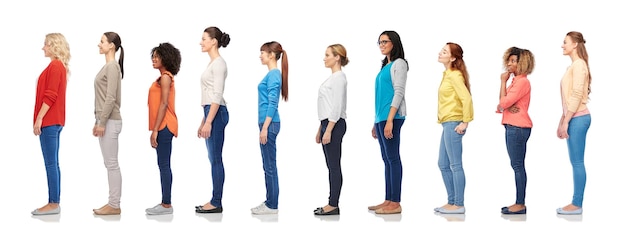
(50, 140)
(577, 131)
(451, 163)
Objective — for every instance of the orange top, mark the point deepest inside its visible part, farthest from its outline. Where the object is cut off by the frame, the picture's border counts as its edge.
(154, 101)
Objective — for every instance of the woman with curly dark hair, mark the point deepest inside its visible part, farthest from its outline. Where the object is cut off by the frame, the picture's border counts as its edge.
(513, 105)
(162, 119)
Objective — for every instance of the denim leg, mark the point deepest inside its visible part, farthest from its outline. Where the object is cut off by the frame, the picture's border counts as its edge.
(381, 142)
(516, 139)
(50, 140)
(215, 144)
(453, 174)
(268, 154)
(332, 154)
(444, 167)
(391, 156)
(577, 130)
(164, 153)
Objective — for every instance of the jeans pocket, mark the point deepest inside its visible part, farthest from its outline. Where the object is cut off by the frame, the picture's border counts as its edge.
(225, 117)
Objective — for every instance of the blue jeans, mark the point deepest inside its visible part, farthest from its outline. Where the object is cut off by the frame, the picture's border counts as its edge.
(516, 139)
(390, 150)
(268, 154)
(451, 163)
(332, 154)
(164, 153)
(49, 140)
(214, 145)
(577, 131)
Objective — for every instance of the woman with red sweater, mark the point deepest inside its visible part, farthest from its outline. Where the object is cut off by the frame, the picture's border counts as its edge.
(49, 115)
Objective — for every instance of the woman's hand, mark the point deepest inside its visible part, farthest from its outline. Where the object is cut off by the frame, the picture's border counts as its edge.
(460, 129)
(153, 139)
(37, 127)
(389, 129)
(263, 136)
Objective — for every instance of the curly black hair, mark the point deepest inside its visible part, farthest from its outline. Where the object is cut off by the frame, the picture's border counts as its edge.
(170, 57)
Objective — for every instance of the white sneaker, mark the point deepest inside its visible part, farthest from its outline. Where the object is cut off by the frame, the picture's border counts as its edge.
(263, 209)
(159, 210)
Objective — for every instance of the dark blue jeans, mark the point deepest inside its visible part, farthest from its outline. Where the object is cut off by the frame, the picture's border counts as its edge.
(390, 150)
(164, 153)
(268, 154)
(214, 145)
(332, 153)
(49, 140)
(516, 139)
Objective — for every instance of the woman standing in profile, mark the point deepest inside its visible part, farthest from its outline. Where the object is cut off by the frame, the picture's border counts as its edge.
(576, 118)
(390, 112)
(514, 104)
(455, 111)
(163, 122)
(273, 85)
(215, 117)
(331, 111)
(108, 100)
(49, 115)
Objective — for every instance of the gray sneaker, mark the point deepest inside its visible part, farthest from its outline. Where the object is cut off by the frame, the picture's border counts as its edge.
(159, 210)
(263, 209)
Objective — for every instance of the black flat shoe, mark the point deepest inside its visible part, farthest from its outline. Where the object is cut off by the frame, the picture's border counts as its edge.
(320, 211)
(213, 210)
(506, 210)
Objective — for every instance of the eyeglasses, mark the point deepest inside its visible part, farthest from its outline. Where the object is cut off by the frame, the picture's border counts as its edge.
(383, 42)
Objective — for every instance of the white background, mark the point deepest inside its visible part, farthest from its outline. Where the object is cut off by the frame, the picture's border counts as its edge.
(485, 29)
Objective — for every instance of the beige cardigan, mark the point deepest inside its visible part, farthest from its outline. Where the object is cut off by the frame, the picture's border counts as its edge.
(574, 87)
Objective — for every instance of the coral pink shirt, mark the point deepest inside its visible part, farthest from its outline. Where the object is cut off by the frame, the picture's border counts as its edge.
(518, 94)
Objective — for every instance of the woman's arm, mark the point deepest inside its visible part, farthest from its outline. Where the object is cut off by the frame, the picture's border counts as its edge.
(165, 82)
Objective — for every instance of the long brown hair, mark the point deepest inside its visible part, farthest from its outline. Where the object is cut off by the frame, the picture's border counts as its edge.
(458, 64)
(577, 37)
(114, 38)
(275, 48)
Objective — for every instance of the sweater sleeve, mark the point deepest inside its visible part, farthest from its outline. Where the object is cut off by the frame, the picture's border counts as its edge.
(273, 90)
(219, 80)
(398, 79)
(579, 75)
(54, 78)
(515, 93)
(113, 77)
(338, 94)
(458, 84)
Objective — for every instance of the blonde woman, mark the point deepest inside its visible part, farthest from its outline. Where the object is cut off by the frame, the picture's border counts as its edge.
(576, 118)
(49, 115)
(331, 111)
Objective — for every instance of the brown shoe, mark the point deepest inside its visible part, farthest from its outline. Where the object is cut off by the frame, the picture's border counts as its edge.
(391, 211)
(375, 207)
(107, 210)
